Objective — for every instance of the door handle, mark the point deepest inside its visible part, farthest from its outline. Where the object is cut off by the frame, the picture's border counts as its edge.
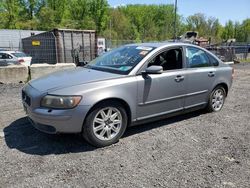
(179, 78)
(211, 74)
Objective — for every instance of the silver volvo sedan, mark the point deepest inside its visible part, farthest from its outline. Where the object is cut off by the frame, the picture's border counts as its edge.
(130, 85)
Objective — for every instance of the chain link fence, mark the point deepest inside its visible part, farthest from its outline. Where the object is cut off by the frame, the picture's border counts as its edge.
(11, 39)
(237, 51)
(231, 53)
(81, 46)
(62, 46)
(56, 46)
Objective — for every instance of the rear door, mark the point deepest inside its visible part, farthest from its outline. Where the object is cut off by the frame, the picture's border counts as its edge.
(22, 58)
(201, 75)
(11, 60)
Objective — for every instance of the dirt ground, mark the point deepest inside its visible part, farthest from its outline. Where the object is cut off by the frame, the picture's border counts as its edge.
(193, 150)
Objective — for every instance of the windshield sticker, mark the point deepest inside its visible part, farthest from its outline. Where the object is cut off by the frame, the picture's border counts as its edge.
(143, 53)
(144, 48)
(125, 68)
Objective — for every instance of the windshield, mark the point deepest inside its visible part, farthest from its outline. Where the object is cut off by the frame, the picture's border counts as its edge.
(121, 60)
(19, 54)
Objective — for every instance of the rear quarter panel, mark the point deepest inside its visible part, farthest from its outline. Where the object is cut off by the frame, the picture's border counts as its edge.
(223, 75)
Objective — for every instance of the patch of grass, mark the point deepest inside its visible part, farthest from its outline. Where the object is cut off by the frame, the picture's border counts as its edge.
(245, 60)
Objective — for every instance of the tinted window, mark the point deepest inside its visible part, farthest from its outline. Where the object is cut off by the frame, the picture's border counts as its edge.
(121, 60)
(5, 56)
(1, 56)
(213, 60)
(169, 60)
(196, 58)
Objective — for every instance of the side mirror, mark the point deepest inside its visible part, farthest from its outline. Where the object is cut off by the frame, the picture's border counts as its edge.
(153, 70)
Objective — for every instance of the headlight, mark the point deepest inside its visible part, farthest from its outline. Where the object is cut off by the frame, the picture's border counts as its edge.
(60, 102)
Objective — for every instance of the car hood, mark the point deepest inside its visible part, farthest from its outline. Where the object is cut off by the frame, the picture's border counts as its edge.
(70, 77)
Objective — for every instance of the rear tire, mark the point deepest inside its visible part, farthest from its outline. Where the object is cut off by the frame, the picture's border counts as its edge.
(105, 124)
(216, 99)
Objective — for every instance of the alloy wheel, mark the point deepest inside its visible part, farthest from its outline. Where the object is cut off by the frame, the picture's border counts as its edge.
(218, 99)
(107, 123)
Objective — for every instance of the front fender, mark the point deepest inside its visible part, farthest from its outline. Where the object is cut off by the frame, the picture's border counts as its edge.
(122, 88)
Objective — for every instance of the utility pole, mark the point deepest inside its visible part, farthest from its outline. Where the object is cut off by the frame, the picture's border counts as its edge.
(175, 17)
(110, 34)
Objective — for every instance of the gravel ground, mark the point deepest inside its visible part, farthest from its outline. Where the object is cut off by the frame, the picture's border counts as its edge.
(193, 150)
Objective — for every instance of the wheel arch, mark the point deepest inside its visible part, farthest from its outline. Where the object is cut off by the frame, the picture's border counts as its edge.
(224, 85)
(113, 99)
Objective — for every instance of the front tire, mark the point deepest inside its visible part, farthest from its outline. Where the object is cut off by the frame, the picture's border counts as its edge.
(216, 99)
(105, 124)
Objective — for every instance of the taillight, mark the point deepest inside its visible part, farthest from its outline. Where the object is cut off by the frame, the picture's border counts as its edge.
(20, 61)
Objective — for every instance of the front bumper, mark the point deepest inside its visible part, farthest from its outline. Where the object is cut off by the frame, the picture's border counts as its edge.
(52, 120)
(44, 128)
(58, 121)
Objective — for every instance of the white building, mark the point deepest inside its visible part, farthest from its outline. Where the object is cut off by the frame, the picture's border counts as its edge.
(11, 39)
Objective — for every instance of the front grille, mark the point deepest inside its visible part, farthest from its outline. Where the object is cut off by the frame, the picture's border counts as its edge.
(26, 98)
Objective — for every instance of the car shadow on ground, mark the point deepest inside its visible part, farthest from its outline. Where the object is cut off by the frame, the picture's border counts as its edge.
(163, 122)
(21, 135)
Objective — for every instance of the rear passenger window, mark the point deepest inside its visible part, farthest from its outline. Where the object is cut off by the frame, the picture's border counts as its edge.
(213, 60)
(196, 58)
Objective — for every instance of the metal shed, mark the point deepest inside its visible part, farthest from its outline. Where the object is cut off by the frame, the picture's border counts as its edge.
(61, 46)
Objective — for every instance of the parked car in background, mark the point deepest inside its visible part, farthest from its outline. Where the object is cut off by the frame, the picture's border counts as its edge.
(129, 85)
(14, 58)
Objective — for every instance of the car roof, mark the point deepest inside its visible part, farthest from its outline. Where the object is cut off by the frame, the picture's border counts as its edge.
(7, 51)
(161, 44)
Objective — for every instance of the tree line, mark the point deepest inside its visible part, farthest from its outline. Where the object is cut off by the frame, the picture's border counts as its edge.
(131, 22)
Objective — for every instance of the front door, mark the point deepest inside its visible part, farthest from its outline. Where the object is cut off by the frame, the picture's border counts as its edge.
(6, 59)
(3, 61)
(160, 94)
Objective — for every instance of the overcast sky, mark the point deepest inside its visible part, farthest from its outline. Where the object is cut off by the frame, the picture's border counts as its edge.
(236, 10)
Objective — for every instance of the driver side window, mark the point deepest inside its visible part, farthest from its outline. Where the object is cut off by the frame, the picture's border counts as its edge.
(169, 59)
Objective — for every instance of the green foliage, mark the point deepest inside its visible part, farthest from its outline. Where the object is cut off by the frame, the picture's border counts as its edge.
(143, 22)
(228, 32)
(206, 27)
(245, 28)
(46, 18)
(58, 7)
(9, 13)
(29, 8)
(98, 12)
(78, 9)
(132, 22)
